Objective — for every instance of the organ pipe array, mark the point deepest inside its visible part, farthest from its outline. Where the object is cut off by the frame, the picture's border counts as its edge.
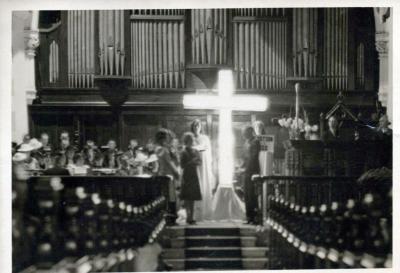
(54, 68)
(260, 12)
(260, 53)
(112, 42)
(157, 59)
(360, 78)
(81, 51)
(158, 49)
(335, 58)
(305, 42)
(209, 36)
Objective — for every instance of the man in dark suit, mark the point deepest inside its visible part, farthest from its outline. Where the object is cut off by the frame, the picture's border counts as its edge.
(251, 166)
(332, 134)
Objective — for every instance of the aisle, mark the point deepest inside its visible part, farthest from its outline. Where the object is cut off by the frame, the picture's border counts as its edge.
(215, 245)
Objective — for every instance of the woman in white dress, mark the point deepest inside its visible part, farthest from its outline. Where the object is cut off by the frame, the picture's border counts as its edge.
(202, 209)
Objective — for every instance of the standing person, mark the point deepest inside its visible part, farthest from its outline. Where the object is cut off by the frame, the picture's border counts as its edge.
(202, 144)
(190, 190)
(251, 166)
(166, 166)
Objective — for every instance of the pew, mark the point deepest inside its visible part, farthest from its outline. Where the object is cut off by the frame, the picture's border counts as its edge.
(327, 222)
(86, 224)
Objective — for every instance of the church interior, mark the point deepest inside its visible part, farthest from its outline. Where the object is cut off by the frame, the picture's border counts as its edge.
(201, 139)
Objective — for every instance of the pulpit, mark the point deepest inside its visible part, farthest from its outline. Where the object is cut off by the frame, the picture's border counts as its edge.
(332, 158)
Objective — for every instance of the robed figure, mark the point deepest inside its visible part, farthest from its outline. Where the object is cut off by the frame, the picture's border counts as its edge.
(202, 143)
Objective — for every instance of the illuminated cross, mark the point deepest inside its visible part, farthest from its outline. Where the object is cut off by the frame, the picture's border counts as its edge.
(225, 102)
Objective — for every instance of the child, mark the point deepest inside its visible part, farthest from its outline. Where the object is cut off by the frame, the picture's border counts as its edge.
(190, 191)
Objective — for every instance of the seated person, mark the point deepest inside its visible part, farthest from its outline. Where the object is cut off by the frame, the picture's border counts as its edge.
(112, 156)
(78, 167)
(90, 152)
(66, 148)
(57, 166)
(30, 163)
(133, 144)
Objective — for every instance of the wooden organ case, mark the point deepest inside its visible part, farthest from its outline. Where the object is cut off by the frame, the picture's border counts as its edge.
(157, 56)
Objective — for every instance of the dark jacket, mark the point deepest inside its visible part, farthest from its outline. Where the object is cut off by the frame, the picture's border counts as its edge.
(251, 162)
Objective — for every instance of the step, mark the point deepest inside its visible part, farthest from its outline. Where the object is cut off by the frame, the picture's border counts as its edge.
(217, 263)
(212, 231)
(180, 231)
(205, 263)
(247, 252)
(195, 241)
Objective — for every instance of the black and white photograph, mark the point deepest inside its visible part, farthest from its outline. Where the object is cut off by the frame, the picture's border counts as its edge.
(199, 138)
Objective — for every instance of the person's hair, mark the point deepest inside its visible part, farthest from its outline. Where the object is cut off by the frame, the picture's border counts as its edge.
(259, 124)
(44, 134)
(77, 157)
(188, 137)
(248, 131)
(194, 123)
(161, 136)
(57, 160)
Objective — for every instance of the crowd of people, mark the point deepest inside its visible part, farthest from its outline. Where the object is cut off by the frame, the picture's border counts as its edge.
(187, 162)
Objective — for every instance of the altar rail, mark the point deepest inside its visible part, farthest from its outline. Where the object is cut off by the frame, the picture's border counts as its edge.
(85, 224)
(327, 222)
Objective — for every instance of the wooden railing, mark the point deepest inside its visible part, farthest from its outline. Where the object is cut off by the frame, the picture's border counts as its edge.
(327, 222)
(92, 223)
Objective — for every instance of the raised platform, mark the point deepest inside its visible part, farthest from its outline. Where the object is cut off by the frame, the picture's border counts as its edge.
(215, 245)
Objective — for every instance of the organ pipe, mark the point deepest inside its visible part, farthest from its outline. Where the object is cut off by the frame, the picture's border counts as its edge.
(259, 50)
(335, 55)
(54, 69)
(160, 49)
(81, 51)
(305, 42)
(208, 32)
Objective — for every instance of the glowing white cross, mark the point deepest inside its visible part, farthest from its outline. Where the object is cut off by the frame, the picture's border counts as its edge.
(225, 102)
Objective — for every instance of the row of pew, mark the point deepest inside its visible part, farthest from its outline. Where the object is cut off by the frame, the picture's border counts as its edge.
(325, 222)
(85, 224)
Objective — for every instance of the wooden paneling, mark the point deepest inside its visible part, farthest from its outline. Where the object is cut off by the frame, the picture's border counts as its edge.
(100, 129)
(140, 127)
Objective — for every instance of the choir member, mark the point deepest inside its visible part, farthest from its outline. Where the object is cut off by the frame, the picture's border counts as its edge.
(78, 167)
(44, 153)
(57, 166)
(25, 140)
(251, 166)
(167, 167)
(30, 163)
(111, 155)
(152, 161)
(190, 190)
(90, 151)
(133, 145)
(66, 148)
(44, 139)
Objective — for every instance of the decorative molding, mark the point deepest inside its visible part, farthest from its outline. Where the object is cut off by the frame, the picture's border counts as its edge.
(382, 43)
(32, 43)
(30, 96)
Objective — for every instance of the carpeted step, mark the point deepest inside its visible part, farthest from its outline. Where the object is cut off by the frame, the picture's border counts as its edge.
(217, 263)
(213, 263)
(194, 241)
(213, 252)
(191, 252)
(212, 232)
